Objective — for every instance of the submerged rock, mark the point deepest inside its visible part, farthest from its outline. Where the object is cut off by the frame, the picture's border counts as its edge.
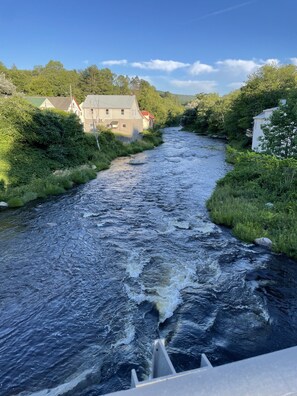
(266, 242)
(137, 162)
(183, 225)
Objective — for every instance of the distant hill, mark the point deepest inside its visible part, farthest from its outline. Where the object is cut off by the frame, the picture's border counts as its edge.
(183, 99)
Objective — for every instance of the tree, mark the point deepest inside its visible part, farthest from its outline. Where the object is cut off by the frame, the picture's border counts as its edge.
(262, 90)
(280, 132)
(6, 87)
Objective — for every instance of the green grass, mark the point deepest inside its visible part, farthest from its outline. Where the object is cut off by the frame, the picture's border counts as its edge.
(240, 200)
(37, 176)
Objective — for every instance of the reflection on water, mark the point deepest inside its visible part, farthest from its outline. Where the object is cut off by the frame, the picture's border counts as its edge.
(89, 279)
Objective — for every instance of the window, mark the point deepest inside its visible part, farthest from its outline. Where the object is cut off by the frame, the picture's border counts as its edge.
(107, 111)
(122, 111)
(124, 125)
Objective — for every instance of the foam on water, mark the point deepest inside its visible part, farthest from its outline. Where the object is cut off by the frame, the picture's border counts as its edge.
(166, 296)
(61, 389)
(128, 336)
(135, 262)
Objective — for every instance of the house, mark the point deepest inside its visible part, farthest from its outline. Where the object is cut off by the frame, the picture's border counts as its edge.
(40, 102)
(259, 120)
(148, 120)
(120, 113)
(65, 103)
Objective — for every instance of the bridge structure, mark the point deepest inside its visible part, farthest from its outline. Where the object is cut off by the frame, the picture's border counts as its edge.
(272, 374)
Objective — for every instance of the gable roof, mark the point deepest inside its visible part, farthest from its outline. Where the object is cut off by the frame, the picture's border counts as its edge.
(60, 102)
(109, 101)
(263, 114)
(147, 113)
(35, 100)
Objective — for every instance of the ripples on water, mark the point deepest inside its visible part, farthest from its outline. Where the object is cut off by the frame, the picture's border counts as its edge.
(91, 278)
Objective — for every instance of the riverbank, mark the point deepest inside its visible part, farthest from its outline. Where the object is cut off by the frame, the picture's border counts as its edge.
(45, 153)
(62, 179)
(258, 199)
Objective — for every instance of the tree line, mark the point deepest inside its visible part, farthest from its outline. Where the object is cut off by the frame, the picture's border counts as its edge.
(54, 80)
(231, 115)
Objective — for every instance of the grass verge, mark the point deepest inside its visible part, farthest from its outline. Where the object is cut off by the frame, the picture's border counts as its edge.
(258, 198)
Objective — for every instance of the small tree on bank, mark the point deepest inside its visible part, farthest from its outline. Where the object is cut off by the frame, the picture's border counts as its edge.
(280, 133)
(6, 87)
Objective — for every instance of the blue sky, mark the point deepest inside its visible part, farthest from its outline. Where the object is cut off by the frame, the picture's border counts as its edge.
(185, 46)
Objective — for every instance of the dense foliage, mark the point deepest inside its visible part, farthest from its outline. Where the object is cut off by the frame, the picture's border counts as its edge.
(259, 199)
(280, 132)
(46, 152)
(232, 115)
(54, 80)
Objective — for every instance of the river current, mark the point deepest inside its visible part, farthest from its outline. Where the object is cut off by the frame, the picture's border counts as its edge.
(89, 279)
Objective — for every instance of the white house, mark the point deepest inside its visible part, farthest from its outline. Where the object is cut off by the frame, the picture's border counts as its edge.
(120, 113)
(259, 120)
(65, 103)
(148, 119)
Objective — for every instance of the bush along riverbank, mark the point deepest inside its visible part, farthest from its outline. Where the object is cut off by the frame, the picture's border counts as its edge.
(45, 153)
(258, 198)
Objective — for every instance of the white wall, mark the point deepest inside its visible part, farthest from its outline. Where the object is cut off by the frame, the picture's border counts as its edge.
(257, 130)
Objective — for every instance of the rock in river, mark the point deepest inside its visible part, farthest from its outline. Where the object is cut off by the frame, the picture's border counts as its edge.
(266, 242)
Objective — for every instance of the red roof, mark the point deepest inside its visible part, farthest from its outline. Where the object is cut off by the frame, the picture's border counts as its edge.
(147, 113)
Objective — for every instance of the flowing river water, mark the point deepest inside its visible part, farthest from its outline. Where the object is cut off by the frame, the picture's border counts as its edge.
(89, 279)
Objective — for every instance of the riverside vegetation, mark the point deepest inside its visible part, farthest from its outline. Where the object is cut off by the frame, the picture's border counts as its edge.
(47, 152)
(258, 198)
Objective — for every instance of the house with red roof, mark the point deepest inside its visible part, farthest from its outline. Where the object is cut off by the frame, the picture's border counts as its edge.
(148, 119)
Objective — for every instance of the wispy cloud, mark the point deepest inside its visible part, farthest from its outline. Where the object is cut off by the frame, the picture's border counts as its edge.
(86, 61)
(157, 64)
(199, 68)
(239, 66)
(114, 62)
(227, 9)
(293, 61)
(195, 85)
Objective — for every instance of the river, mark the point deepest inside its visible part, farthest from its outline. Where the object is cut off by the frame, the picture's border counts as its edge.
(89, 279)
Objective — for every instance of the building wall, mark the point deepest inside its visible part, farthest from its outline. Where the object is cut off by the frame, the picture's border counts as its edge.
(146, 123)
(129, 121)
(73, 108)
(47, 105)
(257, 130)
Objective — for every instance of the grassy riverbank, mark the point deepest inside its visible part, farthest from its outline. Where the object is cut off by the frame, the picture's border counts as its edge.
(259, 199)
(45, 153)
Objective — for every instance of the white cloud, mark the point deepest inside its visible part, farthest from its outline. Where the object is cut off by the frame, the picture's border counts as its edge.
(239, 66)
(294, 61)
(114, 62)
(236, 84)
(196, 85)
(199, 68)
(158, 64)
(272, 62)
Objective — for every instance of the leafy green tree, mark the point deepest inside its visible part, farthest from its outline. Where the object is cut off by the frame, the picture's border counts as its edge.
(262, 90)
(122, 85)
(6, 87)
(280, 132)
